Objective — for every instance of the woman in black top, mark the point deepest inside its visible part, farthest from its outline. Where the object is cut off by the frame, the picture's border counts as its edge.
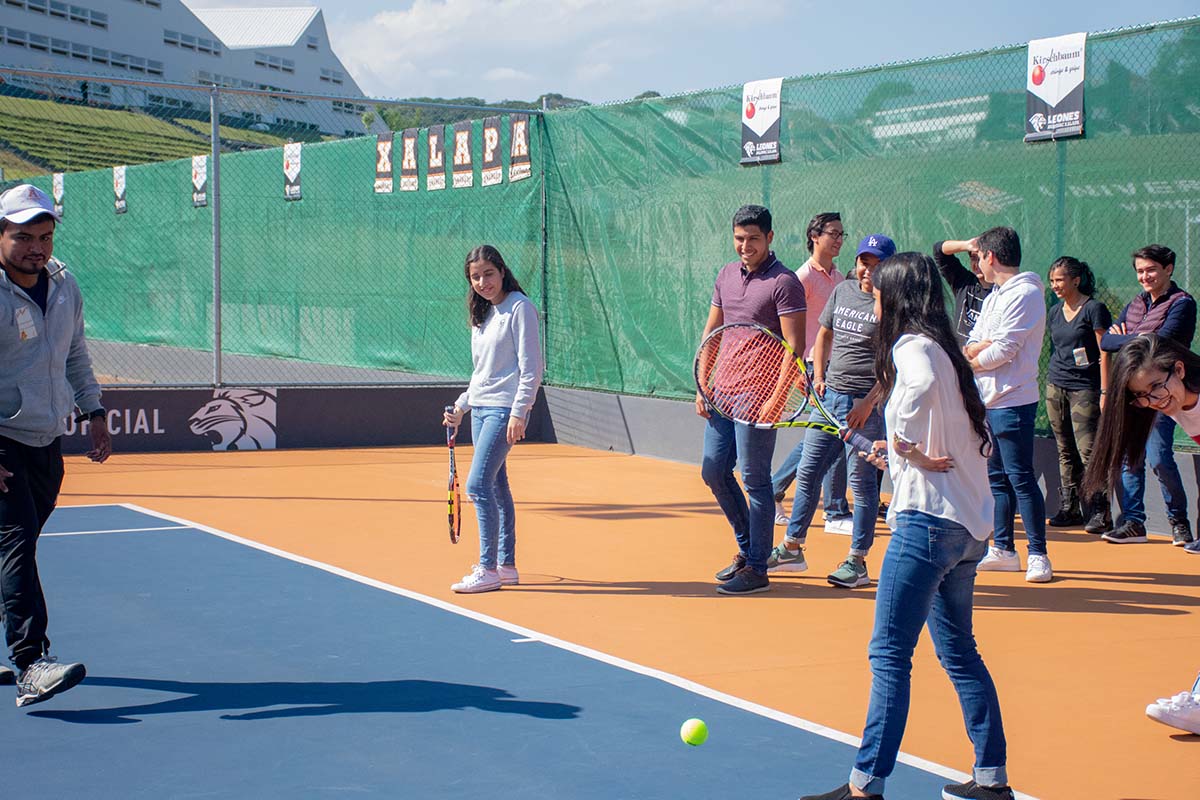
(1075, 386)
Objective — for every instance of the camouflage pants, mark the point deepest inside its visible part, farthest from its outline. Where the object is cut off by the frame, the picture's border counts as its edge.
(1074, 416)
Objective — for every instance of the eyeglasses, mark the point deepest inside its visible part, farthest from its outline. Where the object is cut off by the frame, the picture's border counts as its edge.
(835, 234)
(1158, 392)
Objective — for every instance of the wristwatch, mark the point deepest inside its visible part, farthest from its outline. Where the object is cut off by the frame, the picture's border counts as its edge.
(90, 415)
(903, 446)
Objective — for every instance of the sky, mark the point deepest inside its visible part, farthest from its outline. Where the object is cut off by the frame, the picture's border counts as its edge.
(610, 50)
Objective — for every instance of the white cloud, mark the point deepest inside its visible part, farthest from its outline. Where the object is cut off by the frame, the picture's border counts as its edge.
(506, 74)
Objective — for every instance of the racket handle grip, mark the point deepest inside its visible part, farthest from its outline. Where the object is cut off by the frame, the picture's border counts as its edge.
(859, 442)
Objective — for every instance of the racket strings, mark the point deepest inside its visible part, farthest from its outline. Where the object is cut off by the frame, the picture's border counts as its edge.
(749, 375)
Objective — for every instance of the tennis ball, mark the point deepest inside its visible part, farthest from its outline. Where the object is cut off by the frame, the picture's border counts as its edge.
(694, 732)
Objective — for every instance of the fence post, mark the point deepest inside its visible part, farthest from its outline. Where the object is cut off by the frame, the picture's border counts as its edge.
(541, 118)
(214, 106)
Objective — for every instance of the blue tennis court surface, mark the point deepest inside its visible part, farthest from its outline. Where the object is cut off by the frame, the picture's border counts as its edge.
(219, 670)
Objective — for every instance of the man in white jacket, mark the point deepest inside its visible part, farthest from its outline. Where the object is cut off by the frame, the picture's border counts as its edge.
(1003, 349)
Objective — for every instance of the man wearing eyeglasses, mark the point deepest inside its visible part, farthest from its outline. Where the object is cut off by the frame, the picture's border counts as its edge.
(1165, 309)
(818, 276)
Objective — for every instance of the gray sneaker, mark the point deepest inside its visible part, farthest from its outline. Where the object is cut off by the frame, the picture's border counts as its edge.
(850, 574)
(7, 676)
(45, 678)
(784, 560)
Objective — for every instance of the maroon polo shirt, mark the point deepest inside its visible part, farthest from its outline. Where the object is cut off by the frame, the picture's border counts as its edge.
(761, 297)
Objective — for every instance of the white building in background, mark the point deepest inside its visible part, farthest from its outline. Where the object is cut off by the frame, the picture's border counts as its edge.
(283, 49)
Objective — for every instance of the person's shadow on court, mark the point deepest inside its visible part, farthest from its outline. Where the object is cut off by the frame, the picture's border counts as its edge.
(307, 700)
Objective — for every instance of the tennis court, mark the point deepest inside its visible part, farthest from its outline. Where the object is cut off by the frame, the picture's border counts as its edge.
(280, 623)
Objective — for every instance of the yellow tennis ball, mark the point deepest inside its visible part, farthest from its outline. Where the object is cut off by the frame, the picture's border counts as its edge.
(694, 732)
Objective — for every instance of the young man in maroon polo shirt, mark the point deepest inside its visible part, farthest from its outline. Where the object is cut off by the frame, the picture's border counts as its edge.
(757, 288)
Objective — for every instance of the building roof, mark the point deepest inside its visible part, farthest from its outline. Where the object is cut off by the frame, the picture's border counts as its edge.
(244, 28)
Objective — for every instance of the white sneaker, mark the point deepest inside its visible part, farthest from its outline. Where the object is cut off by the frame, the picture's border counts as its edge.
(782, 517)
(843, 526)
(1039, 569)
(508, 575)
(1181, 711)
(998, 560)
(479, 580)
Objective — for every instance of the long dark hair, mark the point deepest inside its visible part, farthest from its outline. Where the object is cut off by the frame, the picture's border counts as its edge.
(1124, 427)
(1075, 269)
(910, 298)
(477, 306)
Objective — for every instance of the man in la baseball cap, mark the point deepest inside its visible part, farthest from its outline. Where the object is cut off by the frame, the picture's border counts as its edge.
(45, 376)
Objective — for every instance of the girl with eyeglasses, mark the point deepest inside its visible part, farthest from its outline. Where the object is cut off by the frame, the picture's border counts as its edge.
(1151, 375)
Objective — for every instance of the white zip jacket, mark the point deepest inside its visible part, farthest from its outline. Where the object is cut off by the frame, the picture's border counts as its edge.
(46, 373)
(1013, 318)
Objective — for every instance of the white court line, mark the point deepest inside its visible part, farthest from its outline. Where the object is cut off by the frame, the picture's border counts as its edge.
(531, 639)
(118, 530)
(587, 652)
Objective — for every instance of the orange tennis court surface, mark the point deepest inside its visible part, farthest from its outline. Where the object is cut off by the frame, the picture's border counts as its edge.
(617, 553)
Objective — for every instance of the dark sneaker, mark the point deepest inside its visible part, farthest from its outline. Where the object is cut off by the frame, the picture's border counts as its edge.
(1069, 514)
(746, 581)
(840, 793)
(1193, 547)
(7, 676)
(738, 562)
(45, 678)
(973, 791)
(1099, 522)
(1129, 532)
(850, 574)
(1181, 532)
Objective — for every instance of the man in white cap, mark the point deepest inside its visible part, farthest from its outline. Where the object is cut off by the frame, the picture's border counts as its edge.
(45, 375)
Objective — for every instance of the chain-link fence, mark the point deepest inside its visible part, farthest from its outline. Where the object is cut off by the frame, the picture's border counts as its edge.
(617, 234)
(343, 225)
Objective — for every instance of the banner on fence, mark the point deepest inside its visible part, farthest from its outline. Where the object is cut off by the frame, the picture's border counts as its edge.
(119, 203)
(383, 164)
(492, 171)
(435, 176)
(292, 153)
(520, 166)
(463, 165)
(199, 181)
(409, 180)
(760, 121)
(1054, 87)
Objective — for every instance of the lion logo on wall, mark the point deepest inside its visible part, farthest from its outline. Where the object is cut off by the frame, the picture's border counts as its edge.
(237, 419)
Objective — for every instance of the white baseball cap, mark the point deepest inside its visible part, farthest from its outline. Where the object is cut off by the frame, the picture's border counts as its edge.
(22, 203)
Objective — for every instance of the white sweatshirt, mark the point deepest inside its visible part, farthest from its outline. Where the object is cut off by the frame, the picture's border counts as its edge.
(1013, 318)
(507, 357)
(926, 408)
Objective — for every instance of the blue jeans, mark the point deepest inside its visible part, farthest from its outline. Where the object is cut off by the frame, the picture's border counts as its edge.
(725, 444)
(1014, 483)
(821, 451)
(487, 487)
(833, 484)
(928, 575)
(1161, 458)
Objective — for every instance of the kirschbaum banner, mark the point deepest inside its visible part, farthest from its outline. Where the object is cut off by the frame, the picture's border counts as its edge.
(383, 164)
(119, 203)
(1054, 87)
(520, 166)
(58, 188)
(492, 172)
(463, 166)
(291, 170)
(199, 181)
(435, 176)
(760, 121)
(409, 180)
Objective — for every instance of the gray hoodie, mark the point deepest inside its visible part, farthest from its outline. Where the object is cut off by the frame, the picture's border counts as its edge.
(45, 369)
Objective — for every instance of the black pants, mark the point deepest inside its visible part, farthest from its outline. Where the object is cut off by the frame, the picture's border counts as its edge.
(24, 509)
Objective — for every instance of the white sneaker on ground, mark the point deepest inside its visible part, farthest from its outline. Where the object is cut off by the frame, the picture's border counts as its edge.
(45, 678)
(1181, 711)
(478, 580)
(998, 560)
(843, 526)
(508, 575)
(1039, 570)
(782, 517)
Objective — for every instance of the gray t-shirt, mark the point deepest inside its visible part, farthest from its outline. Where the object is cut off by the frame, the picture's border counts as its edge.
(850, 314)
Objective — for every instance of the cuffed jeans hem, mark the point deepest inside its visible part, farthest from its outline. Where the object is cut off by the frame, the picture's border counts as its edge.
(866, 783)
(859, 553)
(991, 777)
(797, 542)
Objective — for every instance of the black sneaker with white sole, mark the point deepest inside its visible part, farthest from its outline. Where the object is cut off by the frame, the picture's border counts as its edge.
(746, 581)
(1181, 532)
(45, 678)
(738, 562)
(1128, 532)
(973, 791)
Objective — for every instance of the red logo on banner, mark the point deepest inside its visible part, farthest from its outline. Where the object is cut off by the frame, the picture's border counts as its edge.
(1039, 75)
(749, 110)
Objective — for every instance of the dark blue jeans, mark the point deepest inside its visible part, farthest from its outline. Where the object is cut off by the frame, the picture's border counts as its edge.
(833, 484)
(928, 575)
(1014, 483)
(753, 522)
(1160, 455)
